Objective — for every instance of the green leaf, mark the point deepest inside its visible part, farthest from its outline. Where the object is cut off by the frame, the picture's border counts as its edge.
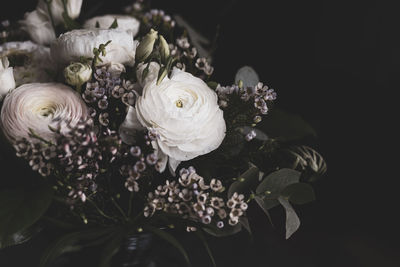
(285, 126)
(20, 237)
(71, 242)
(245, 182)
(248, 76)
(275, 182)
(21, 208)
(114, 25)
(171, 239)
(299, 193)
(111, 249)
(201, 236)
(223, 232)
(292, 220)
(213, 85)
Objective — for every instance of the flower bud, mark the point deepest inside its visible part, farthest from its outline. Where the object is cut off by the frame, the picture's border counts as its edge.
(164, 49)
(7, 81)
(77, 74)
(146, 46)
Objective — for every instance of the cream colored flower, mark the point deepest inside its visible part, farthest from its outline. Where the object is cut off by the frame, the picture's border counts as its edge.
(57, 9)
(126, 23)
(7, 81)
(76, 74)
(184, 113)
(37, 106)
(72, 45)
(39, 27)
(31, 62)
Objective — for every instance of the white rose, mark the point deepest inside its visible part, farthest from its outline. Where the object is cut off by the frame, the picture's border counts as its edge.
(57, 9)
(31, 62)
(36, 106)
(184, 113)
(39, 27)
(72, 45)
(126, 23)
(152, 73)
(7, 81)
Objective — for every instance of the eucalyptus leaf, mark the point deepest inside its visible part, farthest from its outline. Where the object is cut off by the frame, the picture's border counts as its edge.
(285, 126)
(292, 220)
(245, 182)
(20, 208)
(275, 182)
(299, 193)
(248, 76)
(265, 206)
(20, 237)
(169, 238)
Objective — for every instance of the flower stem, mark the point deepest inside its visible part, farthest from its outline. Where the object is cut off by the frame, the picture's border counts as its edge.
(119, 208)
(100, 211)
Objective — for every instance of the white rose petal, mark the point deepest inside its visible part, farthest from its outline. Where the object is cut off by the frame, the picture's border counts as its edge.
(57, 9)
(7, 81)
(126, 23)
(72, 45)
(36, 61)
(37, 106)
(185, 114)
(39, 27)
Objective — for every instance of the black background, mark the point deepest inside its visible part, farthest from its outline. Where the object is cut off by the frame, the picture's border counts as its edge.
(336, 63)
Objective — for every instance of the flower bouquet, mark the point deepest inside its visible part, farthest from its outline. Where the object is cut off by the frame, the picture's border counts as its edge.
(128, 133)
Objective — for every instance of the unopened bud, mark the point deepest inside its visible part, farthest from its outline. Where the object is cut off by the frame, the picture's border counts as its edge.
(164, 49)
(77, 74)
(146, 46)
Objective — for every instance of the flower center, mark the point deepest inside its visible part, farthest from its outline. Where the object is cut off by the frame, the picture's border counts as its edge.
(179, 103)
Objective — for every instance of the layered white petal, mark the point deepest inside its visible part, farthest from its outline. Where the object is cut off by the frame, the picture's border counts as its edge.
(72, 45)
(57, 9)
(7, 81)
(39, 27)
(37, 106)
(184, 112)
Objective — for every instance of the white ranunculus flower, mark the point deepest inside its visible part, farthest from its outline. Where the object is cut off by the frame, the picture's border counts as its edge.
(126, 23)
(39, 27)
(36, 106)
(76, 74)
(57, 9)
(31, 62)
(7, 81)
(184, 113)
(72, 45)
(152, 73)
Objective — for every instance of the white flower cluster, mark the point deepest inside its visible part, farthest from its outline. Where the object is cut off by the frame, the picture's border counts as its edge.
(195, 200)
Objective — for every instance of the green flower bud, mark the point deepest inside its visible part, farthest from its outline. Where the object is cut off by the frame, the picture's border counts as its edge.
(164, 50)
(146, 46)
(77, 74)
